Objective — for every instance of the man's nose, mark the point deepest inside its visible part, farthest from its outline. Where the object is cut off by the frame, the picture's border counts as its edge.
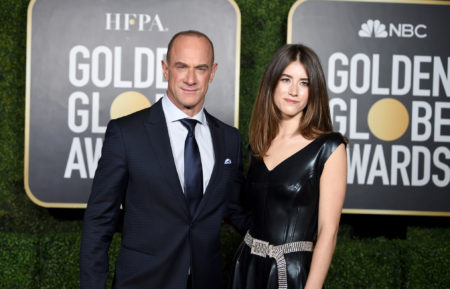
(190, 77)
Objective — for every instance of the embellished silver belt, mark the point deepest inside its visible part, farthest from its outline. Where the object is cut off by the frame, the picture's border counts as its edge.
(264, 249)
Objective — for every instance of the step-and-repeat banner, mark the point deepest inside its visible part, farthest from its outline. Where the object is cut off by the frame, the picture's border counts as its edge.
(388, 71)
(92, 60)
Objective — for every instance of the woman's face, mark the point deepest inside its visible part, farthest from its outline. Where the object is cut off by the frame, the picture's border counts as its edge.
(292, 90)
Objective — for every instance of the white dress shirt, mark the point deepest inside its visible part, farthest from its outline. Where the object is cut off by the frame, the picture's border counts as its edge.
(177, 136)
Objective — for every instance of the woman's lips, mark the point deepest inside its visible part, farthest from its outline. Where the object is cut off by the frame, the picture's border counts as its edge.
(291, 101)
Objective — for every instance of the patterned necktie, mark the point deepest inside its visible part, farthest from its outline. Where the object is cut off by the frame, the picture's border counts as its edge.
(193, 176)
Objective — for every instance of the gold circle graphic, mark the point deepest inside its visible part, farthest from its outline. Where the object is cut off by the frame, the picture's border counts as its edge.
(388, 119)
(127, 103)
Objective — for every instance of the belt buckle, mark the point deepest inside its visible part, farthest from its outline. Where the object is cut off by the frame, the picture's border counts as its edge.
(259, 248)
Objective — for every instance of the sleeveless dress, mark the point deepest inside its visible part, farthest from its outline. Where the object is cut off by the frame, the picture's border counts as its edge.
(284, 207)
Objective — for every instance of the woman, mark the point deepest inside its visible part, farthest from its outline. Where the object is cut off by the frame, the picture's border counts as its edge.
(296, 181)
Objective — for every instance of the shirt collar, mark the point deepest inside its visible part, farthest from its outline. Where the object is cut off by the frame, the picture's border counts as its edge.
(173, 113)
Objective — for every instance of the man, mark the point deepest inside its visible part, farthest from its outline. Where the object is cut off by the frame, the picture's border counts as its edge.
(175, 187)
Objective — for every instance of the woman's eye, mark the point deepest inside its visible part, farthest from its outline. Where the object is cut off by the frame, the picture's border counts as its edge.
(304, 83)
(285, 80)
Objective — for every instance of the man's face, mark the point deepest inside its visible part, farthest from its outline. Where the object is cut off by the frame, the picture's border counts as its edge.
(189, 72)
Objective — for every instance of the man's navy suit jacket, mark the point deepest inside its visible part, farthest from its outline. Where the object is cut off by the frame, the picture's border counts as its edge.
(161, 241)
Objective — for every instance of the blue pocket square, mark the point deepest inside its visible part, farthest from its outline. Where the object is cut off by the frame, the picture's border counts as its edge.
(227, 162)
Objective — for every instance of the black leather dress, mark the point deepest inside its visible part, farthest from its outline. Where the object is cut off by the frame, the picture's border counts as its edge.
(284, 205)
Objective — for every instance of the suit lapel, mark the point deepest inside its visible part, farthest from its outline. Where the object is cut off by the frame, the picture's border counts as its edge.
(158, 136)
(218, 141)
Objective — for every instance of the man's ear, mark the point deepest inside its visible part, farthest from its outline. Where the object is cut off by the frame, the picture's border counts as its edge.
(165, 68)
(213, 72)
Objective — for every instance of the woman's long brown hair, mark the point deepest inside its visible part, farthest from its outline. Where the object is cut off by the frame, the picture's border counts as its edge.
(316, 119)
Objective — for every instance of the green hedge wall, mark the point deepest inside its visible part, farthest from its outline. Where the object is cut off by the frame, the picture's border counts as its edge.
(19, 254)
(44, 261)
(421, 261)
(373, 263)
(39, 247)
(428, 258)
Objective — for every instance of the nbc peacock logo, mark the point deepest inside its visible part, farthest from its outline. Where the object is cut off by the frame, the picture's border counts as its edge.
(373, 28)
